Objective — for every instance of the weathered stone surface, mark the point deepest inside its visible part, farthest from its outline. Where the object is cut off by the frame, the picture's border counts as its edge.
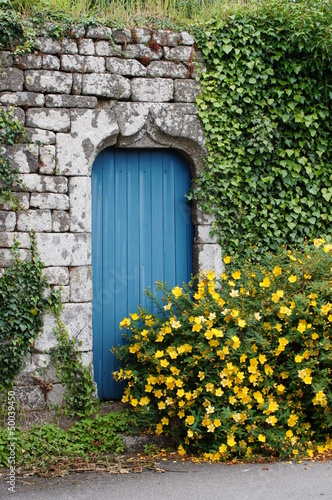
(83, 64)
(152, 90)
(6, 59)
(17, 113)
(56, 275)
(23, 199)
(7, 240)
(50, 119)
(7, 220)
(11, 79)
(210, 258)
(37, 367)
(51, 62)
(127, 67)
(70, 101)
(86, 358)
(30, 99)
(122, 36)
(99, 33)
(89, 129)
(45, 183)
(80, 204)
(30, 397)
(113, 86)
(69, 46)
(35, 220)
(47, 160)
(28, 61)
(6, 258)
(167, 69)
(48, 81)
(67, 249)
(203, 235)
(49, 200)
(141, 35)
(55, 395)
(23, 157)
(168, 38)
(48, 45)
(77, 32)
(65, 293)
(78, 320)
(81, 284)
(46, 340)
(86, 47)
(185, 91)
(61, 221)
(107, 49)
(77, 83)
(180, 54)
(139, 51)
(187, 38)
(38, 135)
(131, 117)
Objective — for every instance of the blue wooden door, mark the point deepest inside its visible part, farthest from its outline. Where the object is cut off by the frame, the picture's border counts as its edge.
(141, 232)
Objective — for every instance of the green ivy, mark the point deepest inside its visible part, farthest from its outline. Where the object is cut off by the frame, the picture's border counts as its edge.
(23, 302)
(266, 111)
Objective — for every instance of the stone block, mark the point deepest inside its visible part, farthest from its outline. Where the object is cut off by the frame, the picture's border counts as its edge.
(11, 79)
(44, 137)
(77, 83)
(28, 61)
(80, 204)
(186, 38)
(67, 249)
(17, 113)
(210, 258)
(61, 221)
(56, 275)
(49, 200)
(30, 397)
(152, 90)
(7, 220)
(70, 101)
(89, 129)
(48, 45)
(46, 340)
(81, 284)
(57, 120)
(203, 235)
(185, 91)
(6, 59)
(69, 46)
(30, 99)
(180, 54)
(104, 48)
(86, 47)
(47, 160)
(126, 67)
(83, 64)
(202, 218)
(77, 32)
(8, 239)
(55, 395)
(38, 366)
(167, 69)
(6, 258)
(78, 321)
(64, 293)
(35, 220)
(131, 117)
(122, 36)
(51, 62)
(166, 37)
(48, 81)
(139, 51)
(141, 35)
(87, 358)
(23, 199)
(101, 33)
(44, 183)
(23, 157)
(112, 86)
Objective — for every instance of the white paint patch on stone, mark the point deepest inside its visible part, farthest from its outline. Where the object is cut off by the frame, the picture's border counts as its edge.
(64, 249)
(80, 204)
(81, 284)
(89, 128)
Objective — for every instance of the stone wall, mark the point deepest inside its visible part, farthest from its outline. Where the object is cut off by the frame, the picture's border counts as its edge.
(129, 88)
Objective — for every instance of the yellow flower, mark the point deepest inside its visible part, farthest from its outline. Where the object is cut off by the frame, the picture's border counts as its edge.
(217, 422)
(320, 398)
(298, 358)
(285, 310)
(302, 325)
(159, 354)
(223, 448)
(134, 402)
(209, 387)
(164, 363)
(176, 324)
(144, 401)
(181, 450)
(235, 313)
(261, 438)
(292, 420)
(201, 375)
(262, 359)
(180, 393)
(265, 283)
(177, 291)
(236, 342)
(289, 433)
(165, 421)
(231, 441)
(326, 309)
(327, 248)
(258, 396)
(125, 323)
(227, 259)
(219, 392)
(292, 278)
(257, 316)
(242, 324)
(277, 271)
(168, 306)
(272, 420)
(236, 275)
(305, 375)
(318, 242)
(159, 429)
(314, 336)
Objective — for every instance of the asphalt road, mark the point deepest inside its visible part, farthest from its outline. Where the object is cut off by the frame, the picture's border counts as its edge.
(186, 481)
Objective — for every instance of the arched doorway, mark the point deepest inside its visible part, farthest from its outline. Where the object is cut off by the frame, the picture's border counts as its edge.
(141, 232)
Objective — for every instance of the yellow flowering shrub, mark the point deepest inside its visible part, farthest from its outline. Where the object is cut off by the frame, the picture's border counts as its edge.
(241, 365)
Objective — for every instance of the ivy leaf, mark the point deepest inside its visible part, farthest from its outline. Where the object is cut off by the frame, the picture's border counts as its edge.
(227, 48)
